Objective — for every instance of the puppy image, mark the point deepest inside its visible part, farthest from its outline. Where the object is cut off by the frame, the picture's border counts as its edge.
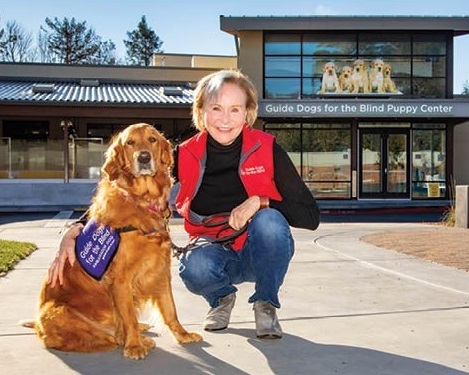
(345, 79)
(330, 81)
(388, 83)
(360, 80)
(376, 77)
(89, 314)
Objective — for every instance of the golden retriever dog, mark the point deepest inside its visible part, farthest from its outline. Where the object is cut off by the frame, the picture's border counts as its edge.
(330, 81)
(345, 79)
(388, 83)
(360, 80)
(86, 314)
(376, 76)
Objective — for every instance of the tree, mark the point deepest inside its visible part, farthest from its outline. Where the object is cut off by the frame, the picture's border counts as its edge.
(106, 54)
(465, 88)
(16, 45)
(71, 41)
(45, 56)
(142, 43)
(2, 42)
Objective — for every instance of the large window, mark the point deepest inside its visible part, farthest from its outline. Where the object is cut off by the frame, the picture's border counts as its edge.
(33, 152)
(104, 131)
(428, 161)
(295, 64)
(321, 154)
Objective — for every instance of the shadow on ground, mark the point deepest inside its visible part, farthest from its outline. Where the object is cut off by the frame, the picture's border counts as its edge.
(291, 355)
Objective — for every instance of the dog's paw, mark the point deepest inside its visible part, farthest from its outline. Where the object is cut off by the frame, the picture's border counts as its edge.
(139, 351)
(135, 351)
(148, 342)
(189, 337)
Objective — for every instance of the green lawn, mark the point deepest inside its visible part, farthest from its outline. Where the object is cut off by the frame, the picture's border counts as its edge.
(11, 252)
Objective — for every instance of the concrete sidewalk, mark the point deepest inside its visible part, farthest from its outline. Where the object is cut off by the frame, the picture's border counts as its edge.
(347, 308)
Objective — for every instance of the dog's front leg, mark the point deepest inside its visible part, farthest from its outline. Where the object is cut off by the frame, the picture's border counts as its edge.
(165, 303)
(135, 345)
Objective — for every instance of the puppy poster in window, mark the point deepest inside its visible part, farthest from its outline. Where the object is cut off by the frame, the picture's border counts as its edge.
(358, 77)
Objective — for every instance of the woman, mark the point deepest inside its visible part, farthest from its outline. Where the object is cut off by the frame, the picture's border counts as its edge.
(230, 167)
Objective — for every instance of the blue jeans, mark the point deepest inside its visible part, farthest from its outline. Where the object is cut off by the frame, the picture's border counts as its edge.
(212, 270)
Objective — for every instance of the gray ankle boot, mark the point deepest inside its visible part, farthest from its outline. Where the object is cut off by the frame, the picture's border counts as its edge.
(218, 317)
(267, 325)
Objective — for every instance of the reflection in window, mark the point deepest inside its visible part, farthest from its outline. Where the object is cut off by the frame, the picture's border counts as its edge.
(403, 85)
(327, 44)
(321, 154)
(428, 161)
(400, 66)
(429, 66)
(371, 163)
(429, 44)
(312, 66)
(383, 44)
(431, 88)
(311, 87)
(86, 157)
(34, 153)
(282, 44)
(416, 62)
(282, 88)
(283, 66)
(104, 131)
(327, 159)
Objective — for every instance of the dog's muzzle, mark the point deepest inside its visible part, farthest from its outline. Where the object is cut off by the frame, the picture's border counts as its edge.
(144, 163)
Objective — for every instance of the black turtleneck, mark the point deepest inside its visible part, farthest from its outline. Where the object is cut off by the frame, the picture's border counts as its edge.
(221, 189)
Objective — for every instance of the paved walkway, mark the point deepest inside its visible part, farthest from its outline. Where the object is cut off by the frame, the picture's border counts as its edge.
(347, 308)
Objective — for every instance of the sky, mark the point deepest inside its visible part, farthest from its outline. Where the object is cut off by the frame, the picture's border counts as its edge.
(193, 26)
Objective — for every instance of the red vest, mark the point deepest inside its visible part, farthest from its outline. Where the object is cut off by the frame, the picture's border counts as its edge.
(256, 171)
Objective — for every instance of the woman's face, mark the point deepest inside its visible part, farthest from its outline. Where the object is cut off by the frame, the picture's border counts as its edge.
(224, 115)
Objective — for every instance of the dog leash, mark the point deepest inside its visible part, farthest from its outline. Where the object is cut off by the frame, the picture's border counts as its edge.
(213, 221)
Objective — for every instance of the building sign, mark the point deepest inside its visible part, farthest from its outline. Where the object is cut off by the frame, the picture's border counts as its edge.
(364, 108)
(433, 190)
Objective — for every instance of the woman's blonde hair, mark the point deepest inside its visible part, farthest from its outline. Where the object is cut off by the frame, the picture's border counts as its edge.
(209, 87)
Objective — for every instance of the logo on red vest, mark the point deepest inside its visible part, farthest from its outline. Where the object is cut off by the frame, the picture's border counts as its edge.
(253, 170)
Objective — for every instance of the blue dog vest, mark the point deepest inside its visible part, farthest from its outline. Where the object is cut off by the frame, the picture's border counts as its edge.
(95, 248)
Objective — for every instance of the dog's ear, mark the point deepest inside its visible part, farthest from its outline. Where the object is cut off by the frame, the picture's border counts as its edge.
(115, 159)
(166, 154)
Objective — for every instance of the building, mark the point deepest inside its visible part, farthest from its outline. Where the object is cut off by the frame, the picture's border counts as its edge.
(52, 116)
(363, 105)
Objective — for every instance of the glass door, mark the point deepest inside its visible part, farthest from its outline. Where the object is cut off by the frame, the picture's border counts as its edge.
(384, 163)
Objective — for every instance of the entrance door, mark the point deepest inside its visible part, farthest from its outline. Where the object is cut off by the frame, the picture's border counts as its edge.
(384, 163)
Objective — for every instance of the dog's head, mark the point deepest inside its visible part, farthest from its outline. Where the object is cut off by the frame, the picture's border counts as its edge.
(387, 70)
(329, 69)
(377, 65)
(345, 72)
(359, 66)
(136, 151)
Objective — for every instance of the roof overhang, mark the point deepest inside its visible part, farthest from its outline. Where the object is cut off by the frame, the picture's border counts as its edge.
(458, 25)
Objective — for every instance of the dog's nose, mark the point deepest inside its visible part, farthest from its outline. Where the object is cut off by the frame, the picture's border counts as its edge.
(144, 157)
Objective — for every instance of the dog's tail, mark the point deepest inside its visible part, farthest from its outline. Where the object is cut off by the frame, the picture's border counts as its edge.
(28, 323)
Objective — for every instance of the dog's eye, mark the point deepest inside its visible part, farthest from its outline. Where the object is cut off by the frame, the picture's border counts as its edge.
(152, 139)
(130, 142)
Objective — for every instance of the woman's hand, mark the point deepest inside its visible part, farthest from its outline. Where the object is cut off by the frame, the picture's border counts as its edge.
(241, 214)
(66, 252)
